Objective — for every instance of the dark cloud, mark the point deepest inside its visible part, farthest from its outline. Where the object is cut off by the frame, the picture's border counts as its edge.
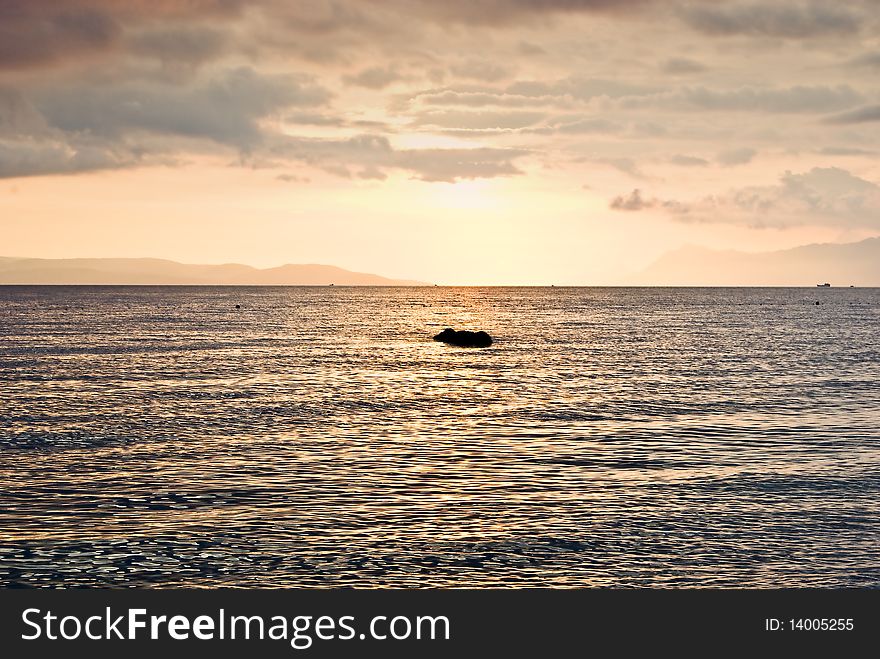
(688, 161)
(66, 129)
(508, 12)
(30, 146)
(372, 174)
(635, 201)
(38, 33)
(739, 156)
(181, 45)
(226, 109)
(866, 114)
(18, 159)
(314, 119)
(365, 149)
(682, 66)
(529, 49)
(649, 129)
(792, 20)
(157, 9)
(845, 151)
(625, 165)
(375, 77)
(474, 69)
(326, 18)
(632, 202)
(797, 99)
(19, 118)
(293, 178)
(867, 61)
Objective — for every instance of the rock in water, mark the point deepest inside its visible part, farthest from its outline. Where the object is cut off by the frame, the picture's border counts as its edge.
(464, 338)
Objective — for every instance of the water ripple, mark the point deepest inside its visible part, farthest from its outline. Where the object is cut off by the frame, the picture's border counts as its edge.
(319, 437)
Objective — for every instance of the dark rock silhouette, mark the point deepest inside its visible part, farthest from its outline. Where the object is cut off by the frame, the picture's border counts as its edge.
(464, 338)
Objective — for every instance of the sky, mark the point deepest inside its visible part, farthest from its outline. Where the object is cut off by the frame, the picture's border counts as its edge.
(458, 142)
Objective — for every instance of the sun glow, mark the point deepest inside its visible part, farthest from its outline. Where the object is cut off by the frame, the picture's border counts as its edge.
(478, 194)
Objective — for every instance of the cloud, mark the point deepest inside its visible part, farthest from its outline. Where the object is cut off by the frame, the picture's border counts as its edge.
(681, 65)
(477, 98)
(529, 49)
(314, 119)
(467, 120)
(375, 155)
(483, 70)
(790, 20)
(567, 126)
(18, 117)
(31, 37)
(845, 151)
(866, 114)
(449, 165)
(112, 83)
(562, 93)
(625, 165)
(502, 13)
(868, 61)
(827, 194)
(823, 196)
(30, 146)
(374, 77)
(226, 108)
(577, 87)
(67, 129)
(38, 33)
(176, 46)
(796, 100)
(29, 158)
(688, 161)
(733, 157)
(292, 178)
(571, 92)
(632, 202)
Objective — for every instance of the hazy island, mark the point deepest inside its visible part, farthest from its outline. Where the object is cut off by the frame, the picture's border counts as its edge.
(148, 271)
(842, 264)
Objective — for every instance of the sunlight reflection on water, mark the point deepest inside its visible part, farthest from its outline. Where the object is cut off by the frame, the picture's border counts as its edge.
(319, 437)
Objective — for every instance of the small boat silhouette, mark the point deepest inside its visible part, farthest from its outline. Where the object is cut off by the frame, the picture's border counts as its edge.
(825, 285)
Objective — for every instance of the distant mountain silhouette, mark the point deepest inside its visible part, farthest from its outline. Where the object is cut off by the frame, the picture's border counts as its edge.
(160, 271)
(843, 264)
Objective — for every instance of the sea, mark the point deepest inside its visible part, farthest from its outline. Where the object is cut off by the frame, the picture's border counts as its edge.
(319, 437)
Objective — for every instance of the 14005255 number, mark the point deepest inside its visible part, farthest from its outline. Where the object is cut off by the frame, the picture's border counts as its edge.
(821, 624)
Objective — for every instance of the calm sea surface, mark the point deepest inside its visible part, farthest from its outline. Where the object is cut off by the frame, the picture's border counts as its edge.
(319, 437)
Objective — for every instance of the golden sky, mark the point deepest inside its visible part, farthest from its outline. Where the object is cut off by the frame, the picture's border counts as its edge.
(464, 141)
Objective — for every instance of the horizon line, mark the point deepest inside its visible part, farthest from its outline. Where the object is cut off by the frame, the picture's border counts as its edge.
(805, 286)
